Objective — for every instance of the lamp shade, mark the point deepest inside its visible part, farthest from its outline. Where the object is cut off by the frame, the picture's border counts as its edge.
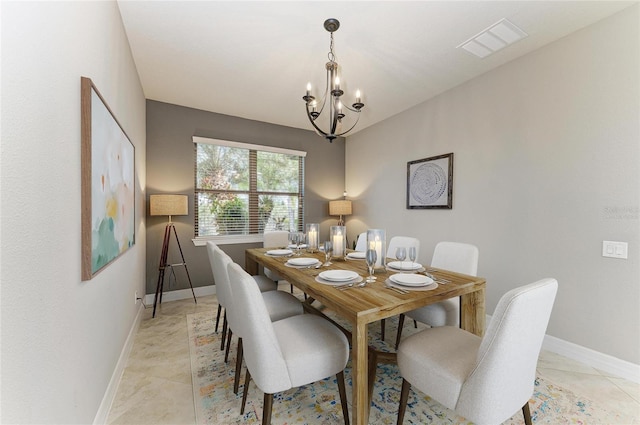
(340, 207)
(168, 205)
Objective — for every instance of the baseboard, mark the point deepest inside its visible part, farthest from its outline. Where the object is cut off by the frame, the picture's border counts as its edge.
(181, 294)
(603, 362)
(110, 394)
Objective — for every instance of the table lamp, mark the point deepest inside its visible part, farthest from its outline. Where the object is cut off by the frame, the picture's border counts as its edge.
(169, 205)
(340, 207)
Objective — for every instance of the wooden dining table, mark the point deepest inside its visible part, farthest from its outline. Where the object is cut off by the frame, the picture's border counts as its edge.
(371, 303)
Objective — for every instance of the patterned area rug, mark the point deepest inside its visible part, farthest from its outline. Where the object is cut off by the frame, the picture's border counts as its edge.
(319, 403)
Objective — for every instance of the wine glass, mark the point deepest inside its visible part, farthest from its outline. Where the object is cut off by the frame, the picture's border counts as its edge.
(401, 254)
(412, 254)
(293, 239)
(328, 250)
(371, 258)
(301, 240)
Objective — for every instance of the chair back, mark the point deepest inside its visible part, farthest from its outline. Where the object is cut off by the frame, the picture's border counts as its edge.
(361, 243)
(223, 287)
(276, 238)
(261, 349)
(403, 241)
(502, 380)
(456, 257)
(219, 274)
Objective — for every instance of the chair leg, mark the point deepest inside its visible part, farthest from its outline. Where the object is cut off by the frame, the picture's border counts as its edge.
(226, 353)
(266, 409)
(382, 326)
(218, 317)
(415, 324)
(292, 288)
(399, 334)
(245, 391)
(224, 330)
(236, 380)
(404, 396)
(343, 396)
(526, 413)
(373, 368)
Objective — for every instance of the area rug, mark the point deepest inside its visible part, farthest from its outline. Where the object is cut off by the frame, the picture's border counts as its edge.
(319, 403)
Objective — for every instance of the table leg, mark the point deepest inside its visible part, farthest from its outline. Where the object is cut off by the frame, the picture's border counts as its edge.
(472, 309)
(250, 266)
(360, 371)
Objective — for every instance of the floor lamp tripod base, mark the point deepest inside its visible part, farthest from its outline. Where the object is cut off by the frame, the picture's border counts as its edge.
(164, 266)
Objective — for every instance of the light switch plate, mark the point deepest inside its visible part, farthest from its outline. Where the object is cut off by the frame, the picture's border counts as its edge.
(615, 249)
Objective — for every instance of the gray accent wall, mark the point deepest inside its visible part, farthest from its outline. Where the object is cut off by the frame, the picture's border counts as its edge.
(170, 169)
(547, 166)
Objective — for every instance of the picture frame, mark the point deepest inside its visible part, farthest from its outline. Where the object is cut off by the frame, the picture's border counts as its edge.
(430, 183)
(107, 183)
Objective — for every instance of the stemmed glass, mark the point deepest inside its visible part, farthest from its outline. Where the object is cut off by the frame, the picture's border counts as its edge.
(300, 241)
(412, 254)
(401, 254)
(293, 239)
(371, 258)
(328, 250)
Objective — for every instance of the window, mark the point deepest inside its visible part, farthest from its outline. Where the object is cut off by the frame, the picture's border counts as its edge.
(243, 189)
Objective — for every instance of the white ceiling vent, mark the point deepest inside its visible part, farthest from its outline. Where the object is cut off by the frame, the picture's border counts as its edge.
(494, 38)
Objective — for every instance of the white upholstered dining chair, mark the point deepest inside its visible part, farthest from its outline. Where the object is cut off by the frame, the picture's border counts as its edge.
(486, 379)
(264, 283)
(279, 304)
(361, 242)
(456, 257)
(288, 353)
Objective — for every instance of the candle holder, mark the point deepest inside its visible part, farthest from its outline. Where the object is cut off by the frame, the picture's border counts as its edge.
(338, 237)
(313, 231)
(376, 239)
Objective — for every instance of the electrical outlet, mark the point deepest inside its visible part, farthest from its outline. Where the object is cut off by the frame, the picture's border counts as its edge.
(135, 300)
(615, 249)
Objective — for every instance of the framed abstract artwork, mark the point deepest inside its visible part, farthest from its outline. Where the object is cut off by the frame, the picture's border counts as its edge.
(108, 183)
(430, 182)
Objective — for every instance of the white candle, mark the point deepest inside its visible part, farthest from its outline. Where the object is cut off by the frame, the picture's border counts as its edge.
(308, 89)
(358, 99)
(313, 239)
(378, 248)
(338, 245)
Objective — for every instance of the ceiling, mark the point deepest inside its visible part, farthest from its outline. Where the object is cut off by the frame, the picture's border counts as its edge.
(254, 59)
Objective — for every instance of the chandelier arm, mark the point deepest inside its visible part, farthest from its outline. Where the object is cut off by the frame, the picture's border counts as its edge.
(311, 120)
(350, 128)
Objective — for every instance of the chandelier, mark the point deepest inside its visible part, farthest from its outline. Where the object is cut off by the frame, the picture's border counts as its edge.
(331, 96)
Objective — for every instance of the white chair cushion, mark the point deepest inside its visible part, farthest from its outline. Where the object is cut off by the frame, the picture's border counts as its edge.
(312, 347)
(281, 305)
(264, 283)
(443, 313)
(437, 361)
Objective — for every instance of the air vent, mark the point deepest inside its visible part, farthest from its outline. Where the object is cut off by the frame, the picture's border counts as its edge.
(496, 37)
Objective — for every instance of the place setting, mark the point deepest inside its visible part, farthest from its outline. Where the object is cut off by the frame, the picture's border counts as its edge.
(279, 253)
(411, 282)
(339, 278)
(356, 255)
(303, 263)
(402, 266)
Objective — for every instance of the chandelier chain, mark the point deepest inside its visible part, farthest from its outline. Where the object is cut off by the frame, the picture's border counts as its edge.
(331, 55)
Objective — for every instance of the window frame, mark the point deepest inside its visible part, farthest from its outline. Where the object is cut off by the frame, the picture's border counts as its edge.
(253, 193)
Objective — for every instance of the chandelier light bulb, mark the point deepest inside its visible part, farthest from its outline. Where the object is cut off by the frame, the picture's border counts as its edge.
(337, 83)
(308, 89)
(358, 96)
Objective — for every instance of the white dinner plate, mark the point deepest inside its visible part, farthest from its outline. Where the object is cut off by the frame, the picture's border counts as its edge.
(338, 275)
(410, 279)
(302, 261)
(293, 246)
(279, 252)
(340, 282)
(357, 255)
(404, 265)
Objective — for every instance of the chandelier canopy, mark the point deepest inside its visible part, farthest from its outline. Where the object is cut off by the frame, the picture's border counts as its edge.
(331, 96)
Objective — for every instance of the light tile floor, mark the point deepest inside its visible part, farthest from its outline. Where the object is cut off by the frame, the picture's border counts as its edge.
(156, 384)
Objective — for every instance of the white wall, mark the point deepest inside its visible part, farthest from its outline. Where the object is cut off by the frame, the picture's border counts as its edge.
(61, 337)
(546, 167)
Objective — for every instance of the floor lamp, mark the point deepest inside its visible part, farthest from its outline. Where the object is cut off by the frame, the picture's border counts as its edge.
(169, 205)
